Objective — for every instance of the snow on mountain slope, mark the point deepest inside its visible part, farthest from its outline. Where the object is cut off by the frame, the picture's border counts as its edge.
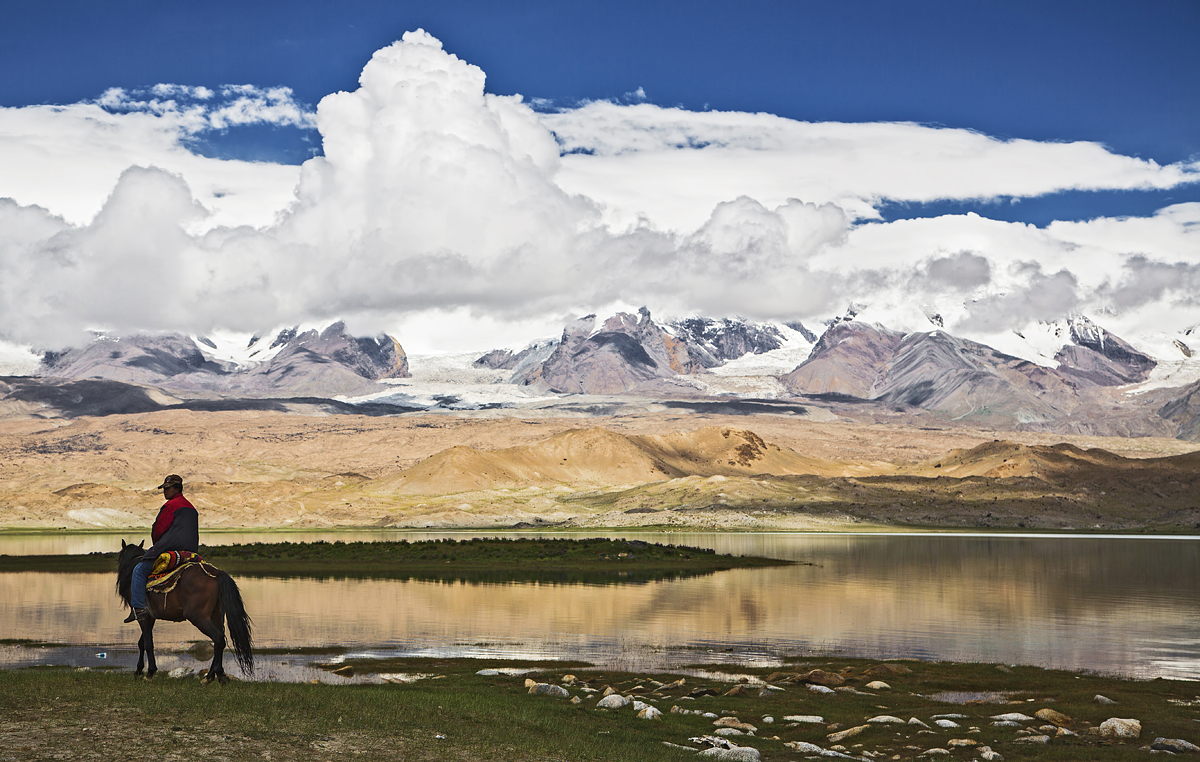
(17, 360)
(754, 375)
(1178, 358)
(452, 381)
(794, 351)
(248, 350)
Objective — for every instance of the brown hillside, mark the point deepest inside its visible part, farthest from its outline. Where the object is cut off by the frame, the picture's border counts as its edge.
(595, 457)
(599, 457)
(1060, 462)
(715, 450)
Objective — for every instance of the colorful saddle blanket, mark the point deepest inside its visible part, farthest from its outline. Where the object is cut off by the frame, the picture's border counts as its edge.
(169, 564)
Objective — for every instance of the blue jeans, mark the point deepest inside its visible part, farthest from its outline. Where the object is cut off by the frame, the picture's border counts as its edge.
(137, 593)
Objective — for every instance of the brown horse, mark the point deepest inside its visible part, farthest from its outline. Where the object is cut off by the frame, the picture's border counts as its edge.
(200, 598)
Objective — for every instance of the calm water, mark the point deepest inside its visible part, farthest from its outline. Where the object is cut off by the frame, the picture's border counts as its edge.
(1126, 605)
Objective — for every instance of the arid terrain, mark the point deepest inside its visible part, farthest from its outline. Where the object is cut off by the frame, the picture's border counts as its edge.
(269, 469)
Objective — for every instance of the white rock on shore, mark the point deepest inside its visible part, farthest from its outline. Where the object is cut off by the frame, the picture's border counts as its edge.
(842, 735)
(734, 754)
(805, 747)
(1117, 727)
(808, 718)
(1012, 717)
(612, 701)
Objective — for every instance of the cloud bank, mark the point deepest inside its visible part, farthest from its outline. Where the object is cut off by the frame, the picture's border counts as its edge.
(662, 162)
(436, 198)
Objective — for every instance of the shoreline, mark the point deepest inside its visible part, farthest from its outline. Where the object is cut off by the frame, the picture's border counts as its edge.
(448, 708)
(371, 659)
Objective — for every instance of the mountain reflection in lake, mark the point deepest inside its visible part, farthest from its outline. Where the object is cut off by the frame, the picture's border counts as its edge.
(1125, 605)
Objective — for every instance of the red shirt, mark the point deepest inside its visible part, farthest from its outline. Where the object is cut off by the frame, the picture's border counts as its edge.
(166, 516)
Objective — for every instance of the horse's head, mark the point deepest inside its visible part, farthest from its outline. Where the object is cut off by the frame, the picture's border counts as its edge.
(128, 557)
(130, 551)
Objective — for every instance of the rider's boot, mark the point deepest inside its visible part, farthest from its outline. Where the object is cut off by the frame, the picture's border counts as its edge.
(142, 616)
(131, 618)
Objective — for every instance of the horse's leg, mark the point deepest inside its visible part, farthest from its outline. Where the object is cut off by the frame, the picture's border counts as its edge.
(148, 637)
(216, 634)
(217, 619)
(141, 656)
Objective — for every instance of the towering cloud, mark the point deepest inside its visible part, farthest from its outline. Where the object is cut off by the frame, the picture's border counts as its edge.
(433, 195)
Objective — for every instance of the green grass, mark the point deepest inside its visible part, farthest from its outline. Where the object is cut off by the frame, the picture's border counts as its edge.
(477, 719)
(476, 560)
(51, 712)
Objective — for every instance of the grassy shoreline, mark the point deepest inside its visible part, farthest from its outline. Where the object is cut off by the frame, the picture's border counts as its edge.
(457, 714)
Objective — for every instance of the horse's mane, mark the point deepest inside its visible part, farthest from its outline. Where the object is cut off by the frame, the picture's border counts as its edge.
(126, 560)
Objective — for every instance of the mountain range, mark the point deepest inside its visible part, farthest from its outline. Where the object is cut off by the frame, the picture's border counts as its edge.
(1095, 382)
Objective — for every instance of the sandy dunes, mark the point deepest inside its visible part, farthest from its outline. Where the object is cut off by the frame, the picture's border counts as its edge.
(686, 469)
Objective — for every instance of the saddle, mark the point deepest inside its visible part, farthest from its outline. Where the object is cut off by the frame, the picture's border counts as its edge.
(168, 566)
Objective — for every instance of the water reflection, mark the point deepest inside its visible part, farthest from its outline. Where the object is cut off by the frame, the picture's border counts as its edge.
(1123, 605)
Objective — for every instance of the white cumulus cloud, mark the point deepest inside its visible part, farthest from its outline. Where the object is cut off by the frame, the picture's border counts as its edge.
(438, 203)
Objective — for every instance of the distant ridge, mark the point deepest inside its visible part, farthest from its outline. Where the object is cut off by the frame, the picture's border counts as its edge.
(1066, 464)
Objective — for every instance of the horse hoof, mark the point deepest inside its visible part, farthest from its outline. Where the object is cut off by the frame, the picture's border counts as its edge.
(223, 679)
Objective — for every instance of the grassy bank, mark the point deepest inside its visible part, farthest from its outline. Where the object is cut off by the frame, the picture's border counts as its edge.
(456, 714)
(481, 559)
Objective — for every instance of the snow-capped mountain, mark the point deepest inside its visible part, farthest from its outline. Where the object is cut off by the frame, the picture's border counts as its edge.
(634, 353)
(293, 363)
(716, 342)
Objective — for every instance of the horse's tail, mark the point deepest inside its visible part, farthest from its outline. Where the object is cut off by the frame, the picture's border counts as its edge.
(237, 620)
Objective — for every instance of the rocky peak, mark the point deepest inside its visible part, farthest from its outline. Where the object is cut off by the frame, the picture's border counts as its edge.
(716, 342)
(505, 359)
(847, 359)
(373, 358)
(626, 353)
(1096, 356)
(312, 363)
(142, 358)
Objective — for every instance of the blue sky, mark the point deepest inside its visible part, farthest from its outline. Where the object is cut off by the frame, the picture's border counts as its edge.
(1120, 73)
(843, 144)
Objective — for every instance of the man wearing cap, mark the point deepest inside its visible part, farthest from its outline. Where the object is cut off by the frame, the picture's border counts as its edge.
(176, 528)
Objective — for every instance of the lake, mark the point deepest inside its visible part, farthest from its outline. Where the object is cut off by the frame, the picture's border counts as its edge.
(1115, 604)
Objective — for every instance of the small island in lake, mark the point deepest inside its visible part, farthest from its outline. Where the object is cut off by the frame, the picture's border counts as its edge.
(497, 559)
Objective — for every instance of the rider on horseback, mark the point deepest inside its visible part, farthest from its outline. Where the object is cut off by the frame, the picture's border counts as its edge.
(177, 527)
